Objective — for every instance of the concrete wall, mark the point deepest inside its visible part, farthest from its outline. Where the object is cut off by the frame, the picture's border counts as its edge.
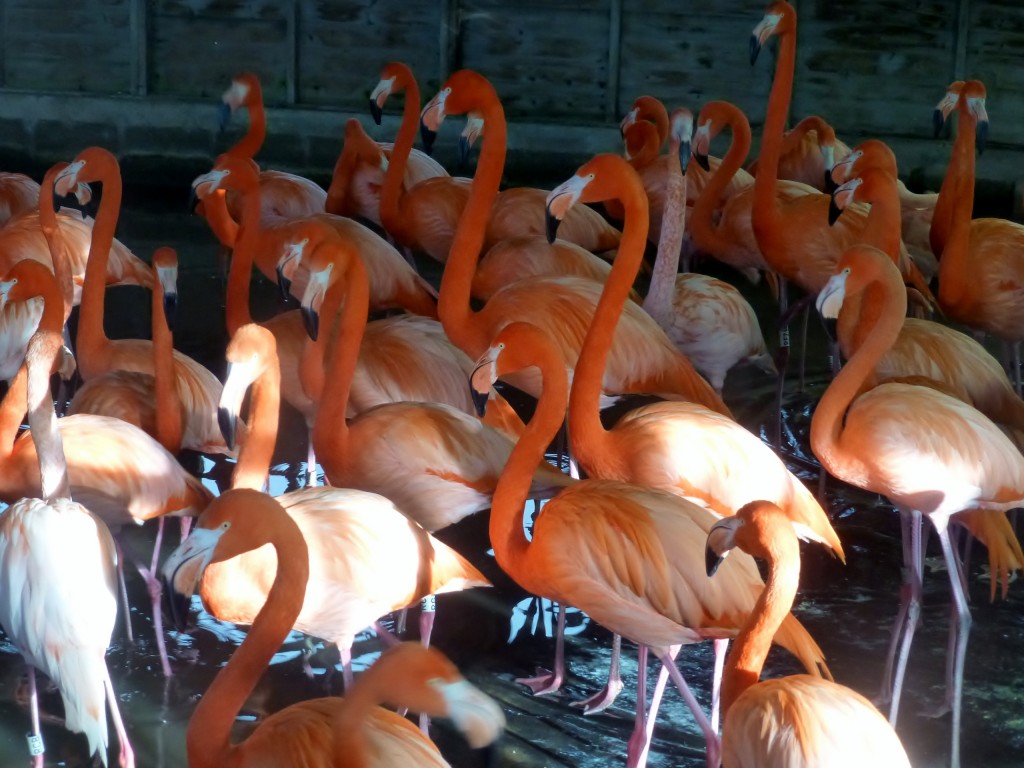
(143, 78)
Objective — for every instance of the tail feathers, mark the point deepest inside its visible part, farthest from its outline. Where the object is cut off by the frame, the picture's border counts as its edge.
(500, 415)
(811, 522)
(792, 636)
(991, 528)
(125, 268)
(79, 673)
(548, 481)
(685, 383)
(451, 572)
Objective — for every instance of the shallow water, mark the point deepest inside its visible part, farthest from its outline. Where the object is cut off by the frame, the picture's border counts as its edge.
(499, 634)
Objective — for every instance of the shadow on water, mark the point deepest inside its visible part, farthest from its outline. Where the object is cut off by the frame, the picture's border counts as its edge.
(499, 634)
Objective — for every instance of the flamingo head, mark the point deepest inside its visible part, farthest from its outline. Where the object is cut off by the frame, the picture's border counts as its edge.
(247, 354)
(755, 529)
(973, 95)
(229, 172)
(942, 110)
(603, 177)
(512, 349)
(629, 119)
(681, 132)
(842, 197)
(289, 263)
(321, 276)
(244, 89)
(379, 95)
(701, 142)
(474, 130)
(165, 267)
(465, 91)
(779, 19)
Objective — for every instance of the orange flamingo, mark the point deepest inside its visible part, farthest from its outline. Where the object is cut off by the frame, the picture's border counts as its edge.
(798, 720)
(945, 205)
(404, 357)
(394, 283)
(929, 453)
(18, 193)
(118, 471)
(626, 555)
(358, 177)
(149, 401)
(436, 463)
(708, 320)
(198, 389)
(677, 447)
(809, 152)
(350, 587)
(327, 732)
(981, 273)
(426, 216)
(642, 360)
(57, 591)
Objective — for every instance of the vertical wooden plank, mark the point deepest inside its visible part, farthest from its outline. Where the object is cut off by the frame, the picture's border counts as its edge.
(612, 108)
(3, 45)
(451, 15)
(963, 27)
(138, 22)
(291, 12)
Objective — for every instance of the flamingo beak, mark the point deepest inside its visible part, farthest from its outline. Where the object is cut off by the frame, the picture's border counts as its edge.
(168, 278)
(431, 118)
(377, 98)
(483, 377)
(560, 200)
(684, 156)
(721, 540)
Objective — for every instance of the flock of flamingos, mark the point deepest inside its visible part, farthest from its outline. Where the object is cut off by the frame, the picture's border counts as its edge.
(412, 436)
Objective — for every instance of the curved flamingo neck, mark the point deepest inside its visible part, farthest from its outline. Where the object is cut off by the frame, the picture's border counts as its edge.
(314, 353)
(169, 428)
(252, 141)
(653, 109)
(750, 649)
(215, 211)
(240, 274)
(55, 239)
(884, 222)
(93, 346)
(330, 430)
(256, 452)
(391, 192)
(703, 231)
(954, 265)
(829, 417)
(658, 302)
(457, 318)
(511, 547)
(767, 214)
(586, 433)
(795, 135)
(208, 739)
(642, 144)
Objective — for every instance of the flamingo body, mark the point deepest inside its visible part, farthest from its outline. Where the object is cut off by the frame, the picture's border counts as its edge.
(18, 193)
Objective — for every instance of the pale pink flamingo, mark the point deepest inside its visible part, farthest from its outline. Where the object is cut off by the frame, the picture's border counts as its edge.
(18, 193)
(58, 598)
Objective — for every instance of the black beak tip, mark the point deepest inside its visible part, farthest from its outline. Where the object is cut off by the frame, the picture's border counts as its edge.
(684, 157)
(834, 211)
(170, 309)
(311, 319)
(227, 422)
(981, 136)
(463, 151)
(938, 120)
(830, 184)
(755, 49)
(193, 200)
(702, 161)
(284, 285)
(223, 116)
(551, 223)
(479, 401)
(375, 111)
(176, 607)
(428, 137)
(711, 561)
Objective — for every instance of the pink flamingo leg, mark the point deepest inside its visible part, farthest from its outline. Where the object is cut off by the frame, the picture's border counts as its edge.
(659, 691)
(186, 526)
(721, 646)
(714, 746)
(913, 613)
(155, 590)
(311, 478)
(345, 649)
(123, 591)
(604, 698)
(126, 758)
(35, 738)
(636, 748)
(428, 609)
(885, 693)
(549, 682)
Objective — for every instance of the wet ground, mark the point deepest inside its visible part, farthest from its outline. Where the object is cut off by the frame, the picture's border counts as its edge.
(499, 634)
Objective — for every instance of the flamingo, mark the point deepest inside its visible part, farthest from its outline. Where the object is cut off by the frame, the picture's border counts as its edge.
(403, 357)
(800, 720)
(350, 587)
(642, 360)
(18, 193)
(928, 453)
(426, 216)
(319, 732)
(118, 471)
(942, 220)
(149, 401)
(681, 448)
(57, 589)
(436, 463)
(981, 273)
(708, 320)
(394, 283)
(197, 388)
(809, 152)
(625, 554)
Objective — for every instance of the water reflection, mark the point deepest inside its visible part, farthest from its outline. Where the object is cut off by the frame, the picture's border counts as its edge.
(499, 634)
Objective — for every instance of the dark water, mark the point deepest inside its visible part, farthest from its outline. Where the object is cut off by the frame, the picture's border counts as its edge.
(503, 633)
